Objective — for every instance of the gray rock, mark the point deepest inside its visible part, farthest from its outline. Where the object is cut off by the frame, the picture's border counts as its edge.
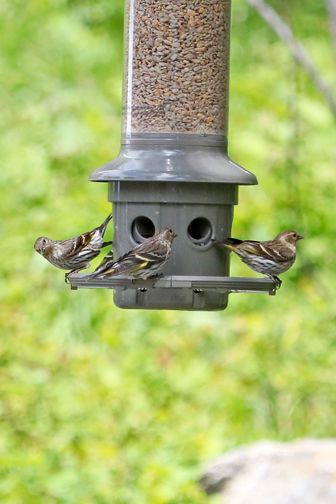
(301, 472)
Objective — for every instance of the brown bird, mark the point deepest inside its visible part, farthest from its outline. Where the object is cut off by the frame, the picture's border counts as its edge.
(144, 261)
(76, 253)
(268, 257)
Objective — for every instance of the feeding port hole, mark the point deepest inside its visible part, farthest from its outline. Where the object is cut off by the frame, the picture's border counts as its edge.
(200, 231)
(142, 228)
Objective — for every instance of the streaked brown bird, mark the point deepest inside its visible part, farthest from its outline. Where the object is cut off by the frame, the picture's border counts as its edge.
(144, 261)
(267, 257)
(76, 253)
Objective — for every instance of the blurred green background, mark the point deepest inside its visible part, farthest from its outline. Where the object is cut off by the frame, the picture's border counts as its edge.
(100, 405)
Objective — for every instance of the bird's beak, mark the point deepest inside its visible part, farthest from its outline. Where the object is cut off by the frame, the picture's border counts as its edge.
(300, 237)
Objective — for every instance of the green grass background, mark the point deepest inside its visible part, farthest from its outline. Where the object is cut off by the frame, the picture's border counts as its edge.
(104, 406)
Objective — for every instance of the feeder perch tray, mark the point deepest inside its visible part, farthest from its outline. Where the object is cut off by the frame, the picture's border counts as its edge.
(182, 288)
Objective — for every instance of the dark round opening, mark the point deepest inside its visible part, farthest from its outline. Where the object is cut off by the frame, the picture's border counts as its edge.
(200, 231)
(142, 228)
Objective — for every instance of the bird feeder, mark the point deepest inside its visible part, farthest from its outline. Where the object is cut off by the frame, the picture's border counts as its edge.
(173, 169)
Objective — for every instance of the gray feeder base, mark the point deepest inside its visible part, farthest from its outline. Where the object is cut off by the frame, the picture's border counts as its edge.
(175, 292)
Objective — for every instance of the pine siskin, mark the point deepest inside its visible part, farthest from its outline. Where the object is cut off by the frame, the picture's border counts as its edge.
(269, 257)
(144, 261)
(76, 253)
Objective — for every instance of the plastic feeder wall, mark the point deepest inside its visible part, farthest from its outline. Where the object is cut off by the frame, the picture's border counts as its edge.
(173, 169)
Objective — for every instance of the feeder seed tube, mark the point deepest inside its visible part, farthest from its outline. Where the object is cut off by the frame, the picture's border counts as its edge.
(176, 68)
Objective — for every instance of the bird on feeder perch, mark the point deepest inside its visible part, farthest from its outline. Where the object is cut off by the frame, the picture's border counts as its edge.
(270, 257)
(144, 261)
(74, 254)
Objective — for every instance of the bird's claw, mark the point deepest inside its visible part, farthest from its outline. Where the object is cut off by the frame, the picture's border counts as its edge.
(68, 275)
(156, 276)
(278, 282)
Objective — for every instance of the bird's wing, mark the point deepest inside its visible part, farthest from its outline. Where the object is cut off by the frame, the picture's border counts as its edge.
(269, 250)
(126, 264)
(75, 246)
(249, 246)
(140, 257)
(137, 259)
(152, 250)
(129, 264)
(252, 247)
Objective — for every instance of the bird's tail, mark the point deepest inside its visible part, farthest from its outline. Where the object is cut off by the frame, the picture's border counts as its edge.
(121, 267)
(103, 226)
(125, 265)
(230, 243)
(105, 264)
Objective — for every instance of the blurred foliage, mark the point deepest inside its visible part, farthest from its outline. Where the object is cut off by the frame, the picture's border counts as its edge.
(100, 405)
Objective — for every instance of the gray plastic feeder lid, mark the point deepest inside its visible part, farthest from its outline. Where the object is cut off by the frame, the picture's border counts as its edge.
(174, 158)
